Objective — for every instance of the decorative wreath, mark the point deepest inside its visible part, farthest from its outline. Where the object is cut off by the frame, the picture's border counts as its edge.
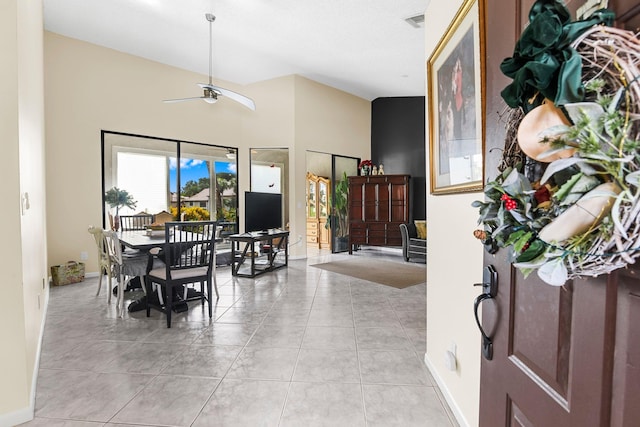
(568, 197)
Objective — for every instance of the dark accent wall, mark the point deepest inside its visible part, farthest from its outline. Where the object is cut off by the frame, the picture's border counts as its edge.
(398, 143)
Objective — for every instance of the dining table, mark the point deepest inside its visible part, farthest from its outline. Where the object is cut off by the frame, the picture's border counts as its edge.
(143, 241)
(138, 243)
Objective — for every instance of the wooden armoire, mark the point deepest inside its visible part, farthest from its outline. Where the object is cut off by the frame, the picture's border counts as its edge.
(378, 204)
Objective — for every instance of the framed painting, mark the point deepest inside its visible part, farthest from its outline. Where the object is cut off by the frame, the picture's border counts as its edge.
(456, 93)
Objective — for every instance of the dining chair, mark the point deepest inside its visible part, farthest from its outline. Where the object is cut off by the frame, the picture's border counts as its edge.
(104, 263)
(189, 257)
(135, 222)
(123, 266)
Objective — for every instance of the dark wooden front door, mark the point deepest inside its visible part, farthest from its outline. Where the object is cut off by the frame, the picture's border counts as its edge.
(567, 356)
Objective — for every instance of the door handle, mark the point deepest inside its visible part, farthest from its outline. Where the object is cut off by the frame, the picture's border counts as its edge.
(489, 290)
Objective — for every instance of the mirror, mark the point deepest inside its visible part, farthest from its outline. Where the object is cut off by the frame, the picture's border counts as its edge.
(270, 174)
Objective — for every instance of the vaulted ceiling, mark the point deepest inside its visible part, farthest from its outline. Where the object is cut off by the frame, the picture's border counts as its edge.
(363, 47)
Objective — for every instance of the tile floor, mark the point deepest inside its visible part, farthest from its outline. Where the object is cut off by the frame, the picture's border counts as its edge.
(296, 347)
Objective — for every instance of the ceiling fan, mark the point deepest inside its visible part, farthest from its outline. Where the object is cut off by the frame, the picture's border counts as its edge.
(211, 92)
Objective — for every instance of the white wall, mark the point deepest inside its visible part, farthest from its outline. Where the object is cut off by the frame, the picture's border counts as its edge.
(454, 265)
(90, 88)
(23, 251)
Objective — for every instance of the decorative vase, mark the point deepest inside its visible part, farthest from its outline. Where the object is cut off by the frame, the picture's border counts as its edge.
(364, 171)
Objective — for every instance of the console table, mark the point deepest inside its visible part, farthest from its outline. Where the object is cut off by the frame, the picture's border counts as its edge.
(256, 253)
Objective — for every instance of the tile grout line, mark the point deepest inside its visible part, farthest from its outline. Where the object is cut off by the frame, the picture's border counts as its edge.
(295, 366)
(355, 333)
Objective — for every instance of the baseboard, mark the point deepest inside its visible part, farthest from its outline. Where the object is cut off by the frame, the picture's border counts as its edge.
(455, 409)
(18, 417)
(27, 414)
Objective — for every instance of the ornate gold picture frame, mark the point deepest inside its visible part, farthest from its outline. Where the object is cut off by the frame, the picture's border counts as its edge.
(455, 74)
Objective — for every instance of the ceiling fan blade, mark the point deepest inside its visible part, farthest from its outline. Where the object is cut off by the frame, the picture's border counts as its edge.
(168, 101)
(247, 102)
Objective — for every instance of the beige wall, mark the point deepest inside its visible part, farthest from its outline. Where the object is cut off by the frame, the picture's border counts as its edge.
(329, 121)
(90, 88)
(454, 264)
(22, 170)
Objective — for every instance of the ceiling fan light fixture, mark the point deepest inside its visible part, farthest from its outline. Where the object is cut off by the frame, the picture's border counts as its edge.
(210, 96)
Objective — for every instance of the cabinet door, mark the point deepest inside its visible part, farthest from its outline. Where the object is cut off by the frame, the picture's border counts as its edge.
(323, 198)
(394, 238)
(399, 203)
(383, 203)
(370, 202)
(377, 234)
(356, 199)
(311, 199)
(377, 198)
(358, 233)
(323, 234)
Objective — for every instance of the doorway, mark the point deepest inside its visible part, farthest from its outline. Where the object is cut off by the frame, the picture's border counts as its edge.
(327, 229)
(317, 195)
(269, 173)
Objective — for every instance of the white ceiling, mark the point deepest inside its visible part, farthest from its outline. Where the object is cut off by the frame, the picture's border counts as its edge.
(363, 47)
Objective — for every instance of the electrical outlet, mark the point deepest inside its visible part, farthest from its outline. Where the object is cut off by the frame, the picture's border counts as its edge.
(84, 256)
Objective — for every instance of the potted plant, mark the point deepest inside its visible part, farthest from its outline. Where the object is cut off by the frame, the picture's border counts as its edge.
(339, 216)
(117, 198)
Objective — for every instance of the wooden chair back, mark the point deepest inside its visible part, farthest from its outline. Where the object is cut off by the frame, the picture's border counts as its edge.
(135, 222)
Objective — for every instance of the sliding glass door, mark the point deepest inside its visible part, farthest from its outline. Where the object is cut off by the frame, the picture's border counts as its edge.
(183, 180)
(341, 168)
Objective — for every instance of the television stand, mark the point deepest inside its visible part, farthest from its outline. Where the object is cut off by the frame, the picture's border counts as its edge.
(247, 262)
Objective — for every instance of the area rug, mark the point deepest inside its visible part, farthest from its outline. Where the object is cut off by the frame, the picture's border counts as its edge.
(397, 275)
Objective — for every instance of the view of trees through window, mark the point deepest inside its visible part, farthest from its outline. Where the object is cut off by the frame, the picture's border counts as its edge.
(196, 191)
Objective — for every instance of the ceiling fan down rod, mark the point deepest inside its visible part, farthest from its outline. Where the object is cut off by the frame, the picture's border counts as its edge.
(210, 17)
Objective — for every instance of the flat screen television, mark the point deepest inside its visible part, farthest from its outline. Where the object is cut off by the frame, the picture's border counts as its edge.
(262, 211)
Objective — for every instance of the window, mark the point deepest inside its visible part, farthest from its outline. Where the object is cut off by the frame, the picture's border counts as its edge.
(189, 180)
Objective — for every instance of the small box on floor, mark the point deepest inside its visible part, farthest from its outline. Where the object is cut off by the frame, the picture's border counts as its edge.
(71, 272)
